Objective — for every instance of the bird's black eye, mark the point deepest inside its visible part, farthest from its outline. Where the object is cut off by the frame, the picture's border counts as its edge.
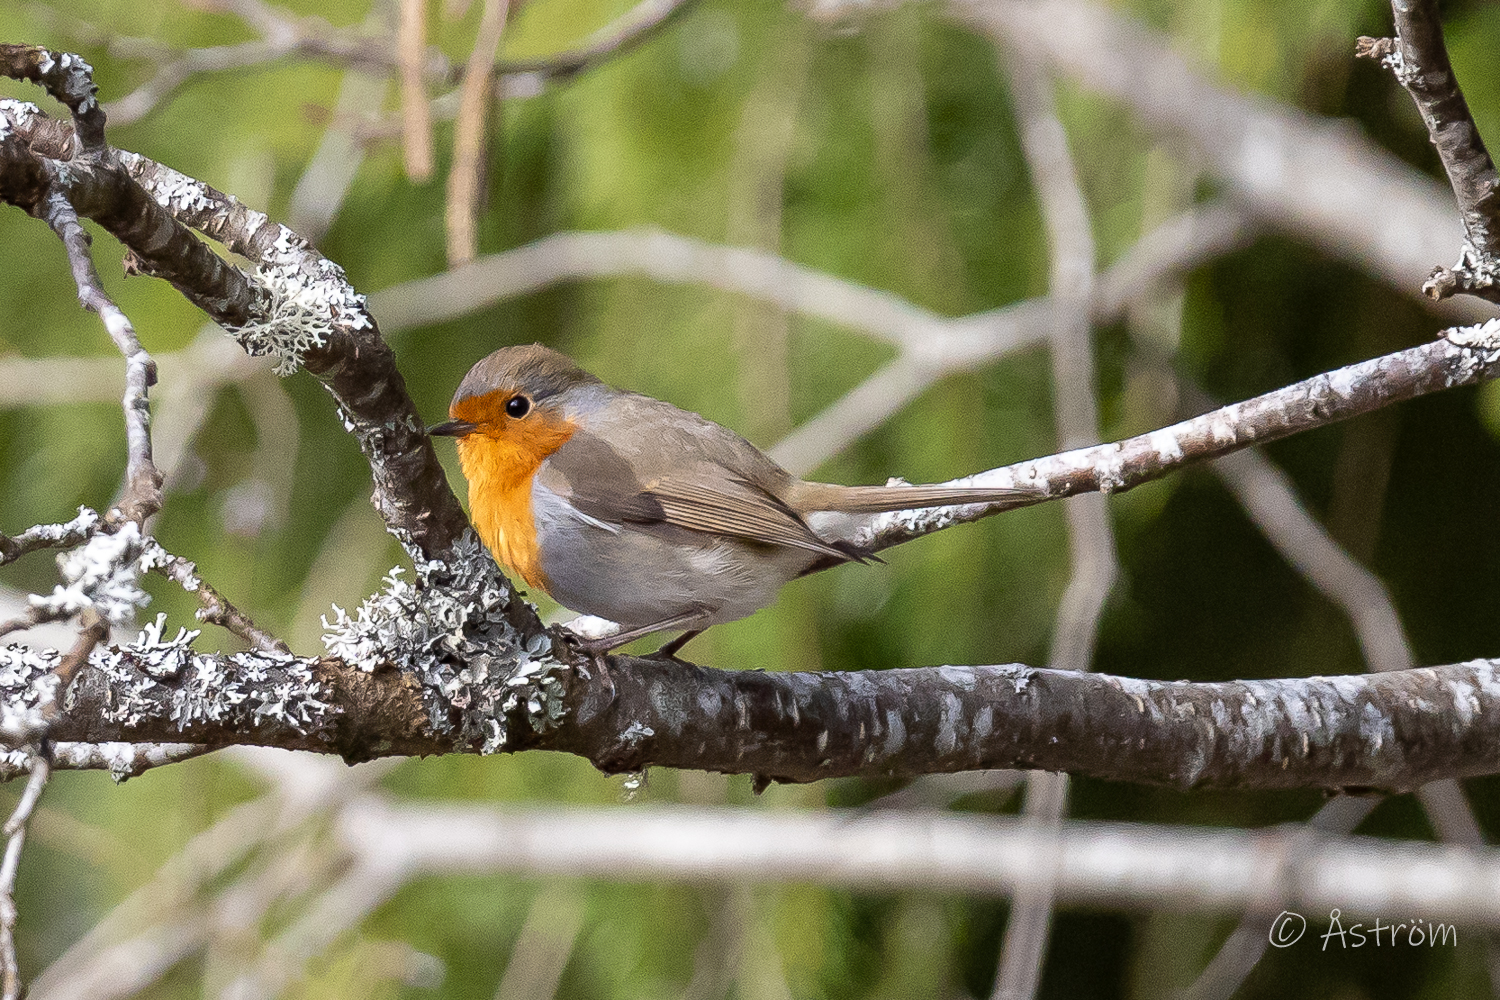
(518, 407)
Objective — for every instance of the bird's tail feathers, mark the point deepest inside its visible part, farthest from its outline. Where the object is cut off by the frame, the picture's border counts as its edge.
(879, 499)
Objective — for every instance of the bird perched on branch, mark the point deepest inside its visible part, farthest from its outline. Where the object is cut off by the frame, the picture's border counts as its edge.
(627, 508)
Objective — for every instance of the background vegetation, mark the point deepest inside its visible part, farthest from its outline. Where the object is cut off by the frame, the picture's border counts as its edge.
(900, 168)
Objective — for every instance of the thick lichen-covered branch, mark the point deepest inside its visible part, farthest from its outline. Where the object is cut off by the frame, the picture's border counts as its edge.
(296, 306)
(1394, 731)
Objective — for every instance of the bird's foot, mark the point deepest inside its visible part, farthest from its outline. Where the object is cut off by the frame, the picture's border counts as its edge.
(669, 650)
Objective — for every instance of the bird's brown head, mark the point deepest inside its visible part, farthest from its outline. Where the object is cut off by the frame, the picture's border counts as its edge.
(511, 410)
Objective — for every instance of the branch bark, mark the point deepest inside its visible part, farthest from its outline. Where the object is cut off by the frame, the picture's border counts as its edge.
(1392, 731)
(1418, 57)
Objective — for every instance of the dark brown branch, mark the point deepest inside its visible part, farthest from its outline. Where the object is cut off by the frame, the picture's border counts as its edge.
(122, 192)
(1347, 731)
(353, 362)
(99, 188)
(1419, 58)
(1393, 731)
(68, 79)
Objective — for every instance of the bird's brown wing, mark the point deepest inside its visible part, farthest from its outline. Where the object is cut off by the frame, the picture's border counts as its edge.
(700, 496)
(738, 508)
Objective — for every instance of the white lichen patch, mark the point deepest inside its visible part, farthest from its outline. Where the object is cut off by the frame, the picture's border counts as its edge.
(1165, 446)
(238, 691)
(301, 296)
(178, 193)
(77, 530)
(27, 684)
(164, 659)
(1483, 337)
(18, 112)
(1109, 469)
(300, 307)
(76, 79)
(449, 630)
(102, 574)
(157, 678)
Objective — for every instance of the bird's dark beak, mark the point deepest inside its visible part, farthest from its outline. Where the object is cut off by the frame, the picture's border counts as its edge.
(451, 428)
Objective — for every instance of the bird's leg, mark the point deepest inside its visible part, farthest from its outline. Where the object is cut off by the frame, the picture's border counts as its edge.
(596, 648)
(668, 650)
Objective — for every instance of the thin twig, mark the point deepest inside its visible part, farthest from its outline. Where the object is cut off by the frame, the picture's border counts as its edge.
(49, 536)
(121, 760)
(466, 175)
(1054, 178)
(1419, 59)
(1461, 356)
(416, 114)
(11, 987)
(142, 496)
(616, 38)
(93, 630)
(215, 609)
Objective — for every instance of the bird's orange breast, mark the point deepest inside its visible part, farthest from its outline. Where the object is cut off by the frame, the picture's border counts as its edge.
(500, 458)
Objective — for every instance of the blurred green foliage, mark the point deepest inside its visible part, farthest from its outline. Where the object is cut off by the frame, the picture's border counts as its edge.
(902, 171)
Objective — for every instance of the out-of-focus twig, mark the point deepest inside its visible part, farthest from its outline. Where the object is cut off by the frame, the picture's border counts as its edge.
(1188, 240)
(1270, 499)
(546, 941)
(616, 38)
(470, 129)
(283, 35)
(180, 912)
(1054, 178)
(763, 144)
(325, 182)
(1247, 943)
(1315, 178)
(1205, 869)
(15, 833)
(416, 114)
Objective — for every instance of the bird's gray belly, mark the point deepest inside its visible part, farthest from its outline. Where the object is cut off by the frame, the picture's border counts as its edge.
(639, 576)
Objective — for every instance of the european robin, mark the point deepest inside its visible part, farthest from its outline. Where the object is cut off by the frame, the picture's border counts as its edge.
(630, 509)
